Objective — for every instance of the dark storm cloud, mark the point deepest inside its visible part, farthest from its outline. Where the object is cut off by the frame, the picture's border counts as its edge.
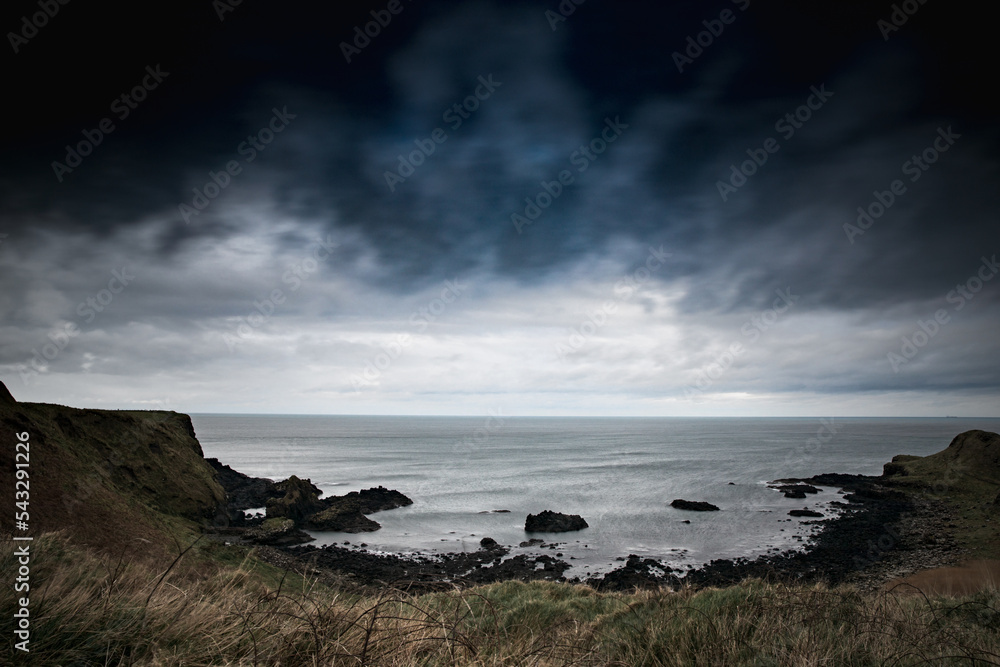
(677, 136)
(685, 130)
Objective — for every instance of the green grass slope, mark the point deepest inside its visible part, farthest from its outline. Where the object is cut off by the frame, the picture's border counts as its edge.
(109, 479)
(966, 476)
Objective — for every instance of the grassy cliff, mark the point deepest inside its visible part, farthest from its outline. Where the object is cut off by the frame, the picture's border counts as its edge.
(113, 480)
(966, 476)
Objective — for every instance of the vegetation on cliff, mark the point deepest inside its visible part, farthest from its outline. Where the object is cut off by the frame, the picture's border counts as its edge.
(111, 479)
(97, 610)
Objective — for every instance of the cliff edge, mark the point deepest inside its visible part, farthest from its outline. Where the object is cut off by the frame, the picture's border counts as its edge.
(111, 479)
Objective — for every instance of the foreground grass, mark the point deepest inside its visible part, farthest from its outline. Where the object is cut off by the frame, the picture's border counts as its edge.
(87, 609)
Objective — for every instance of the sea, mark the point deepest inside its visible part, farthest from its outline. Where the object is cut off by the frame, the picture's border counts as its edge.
(619, 474)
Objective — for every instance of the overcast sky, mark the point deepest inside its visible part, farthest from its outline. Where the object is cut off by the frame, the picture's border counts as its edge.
(430, 207)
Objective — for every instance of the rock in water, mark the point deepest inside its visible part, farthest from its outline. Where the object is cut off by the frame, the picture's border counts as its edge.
(378, 499)
(795, 490)
(300, 500)
(693, 505)
(804, 513)
(344, 517)
(553, 522)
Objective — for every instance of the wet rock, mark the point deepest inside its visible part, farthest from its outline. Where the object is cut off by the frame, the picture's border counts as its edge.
(553, 522)
(368, 501)
(795, 490)
(805, 513)
(693, 505)
(242, 491)
(300, 499)
(277, 532)
(488, 543)
(344, 517)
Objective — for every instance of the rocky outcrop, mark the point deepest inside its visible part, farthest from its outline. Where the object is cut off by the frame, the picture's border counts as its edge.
(5, 396)
(277, 532)
(896, 467)
(795, 490)
(244, 492)
(344, 516)
(374, 500)
(300, 500)
(805, 512)
(693, 505)
(553, 522)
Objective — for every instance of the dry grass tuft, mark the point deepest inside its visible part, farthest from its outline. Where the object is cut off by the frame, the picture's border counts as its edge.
(87, 609)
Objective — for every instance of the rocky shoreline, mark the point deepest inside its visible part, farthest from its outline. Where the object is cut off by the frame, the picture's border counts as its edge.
(880, 533)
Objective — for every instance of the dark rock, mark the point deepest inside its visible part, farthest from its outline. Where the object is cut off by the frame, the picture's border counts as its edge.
(300, 500)
(242, 491)
(488, 543)
(795, 490)
(368, 501)
(693, 505)
(804, 513)
(894, 470)
(277, 532)
(343, 517)
(636, 573)
(553, 522)
(686, 521)
(532, 542)
(6, 398)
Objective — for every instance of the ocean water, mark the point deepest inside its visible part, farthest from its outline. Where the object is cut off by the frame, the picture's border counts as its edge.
(620, 474)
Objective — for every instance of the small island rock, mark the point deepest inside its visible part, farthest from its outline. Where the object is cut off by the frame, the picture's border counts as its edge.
(553, 522)
(693, 505)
